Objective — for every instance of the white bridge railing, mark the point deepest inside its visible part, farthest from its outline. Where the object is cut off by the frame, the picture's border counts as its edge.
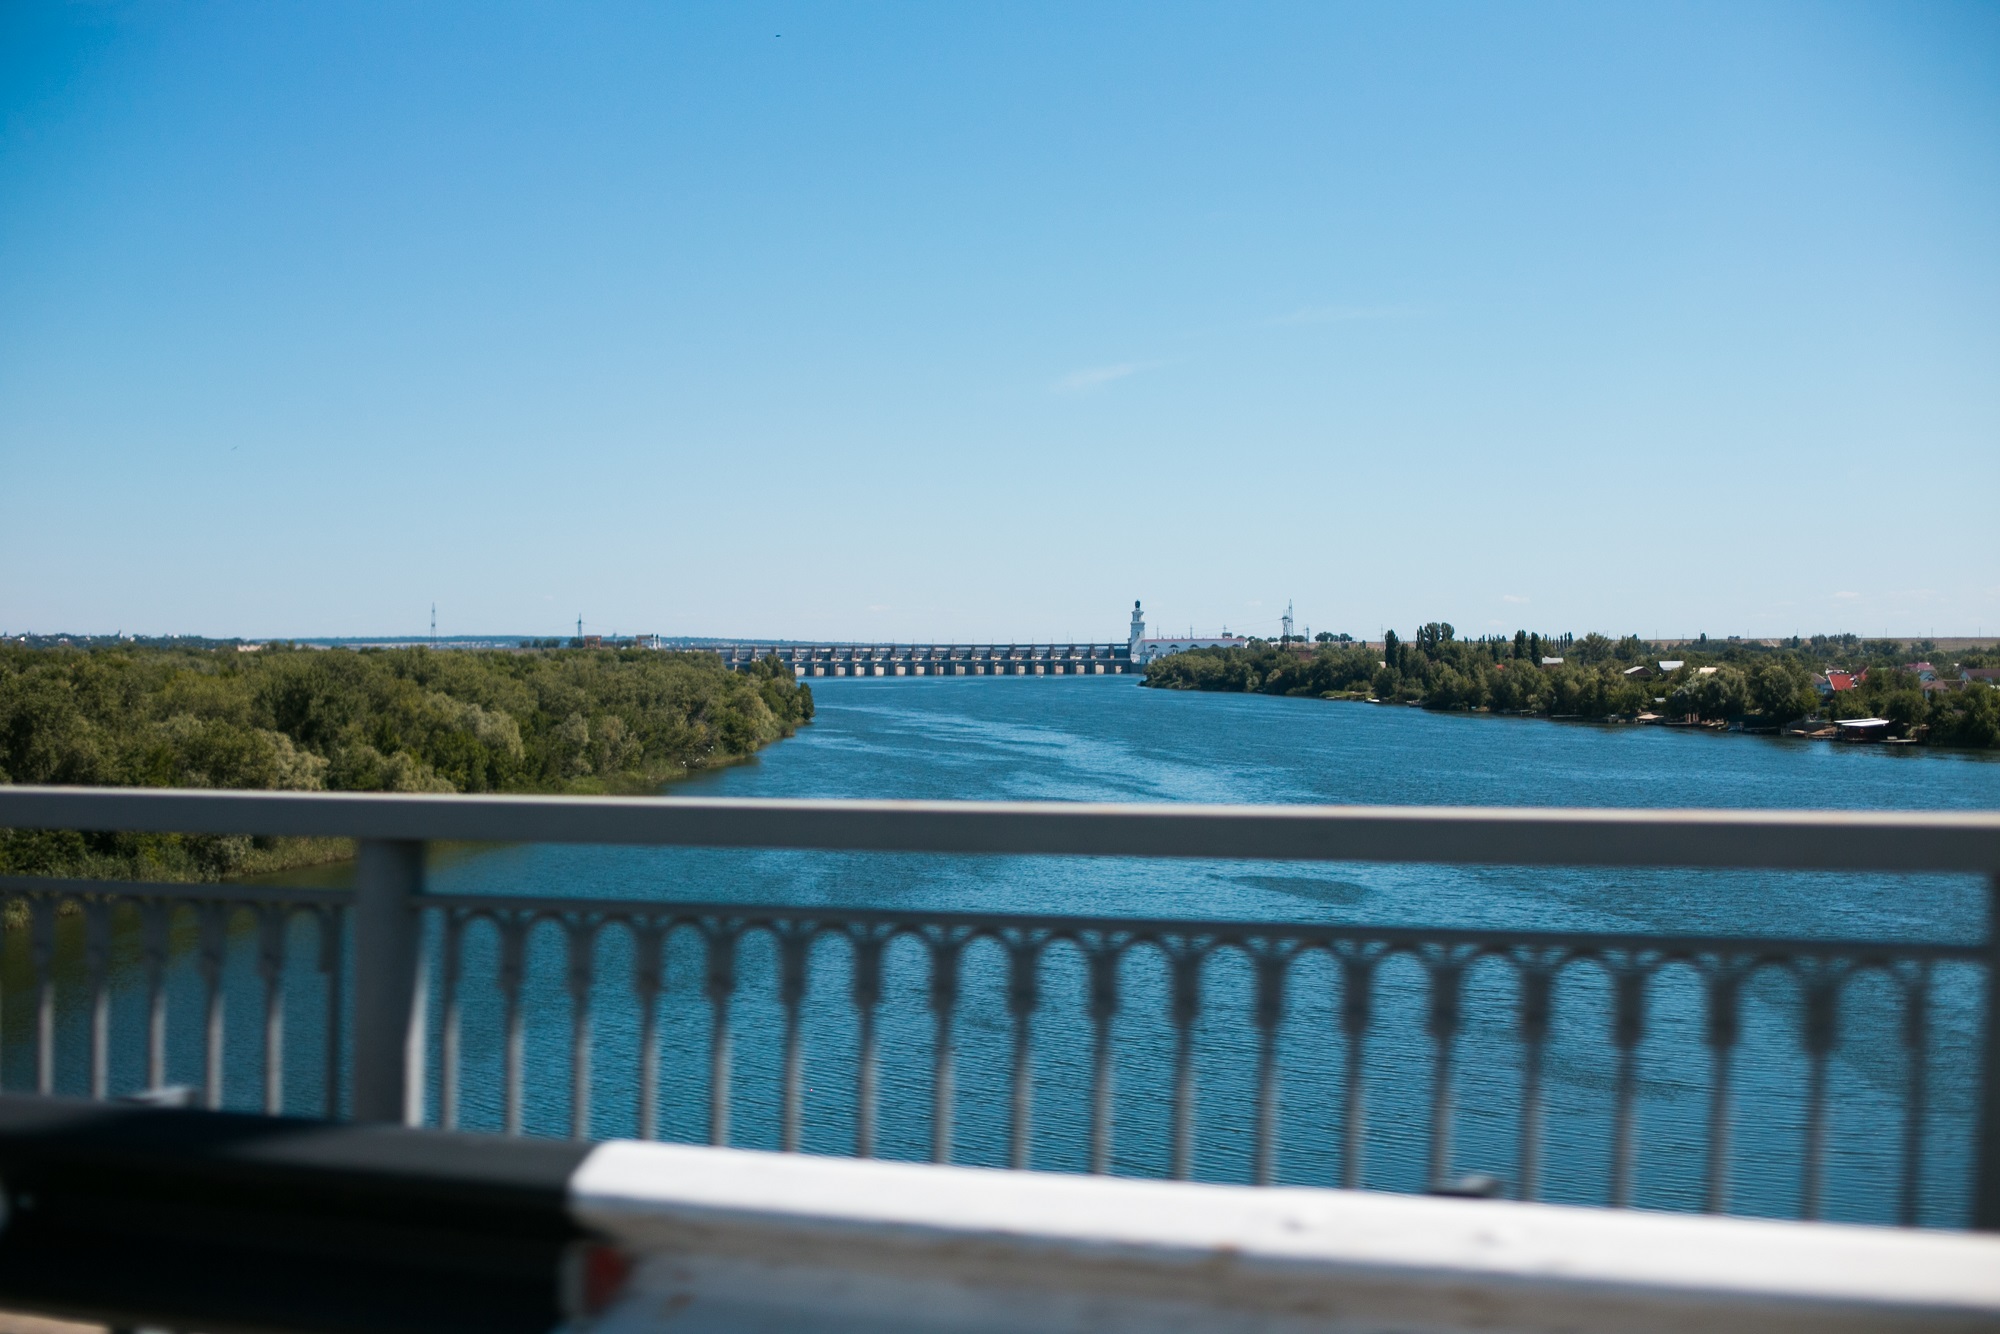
(389, 948)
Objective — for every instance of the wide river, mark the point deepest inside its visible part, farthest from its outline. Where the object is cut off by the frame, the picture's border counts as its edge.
(1104, 739)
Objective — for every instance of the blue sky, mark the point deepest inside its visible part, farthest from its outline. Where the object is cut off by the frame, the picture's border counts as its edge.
(947, 321)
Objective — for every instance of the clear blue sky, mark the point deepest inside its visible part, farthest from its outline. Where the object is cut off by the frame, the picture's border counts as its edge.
(951, 321)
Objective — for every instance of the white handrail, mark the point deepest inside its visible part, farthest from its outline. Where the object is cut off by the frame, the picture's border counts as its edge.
(1904, 841)
(729, 1239)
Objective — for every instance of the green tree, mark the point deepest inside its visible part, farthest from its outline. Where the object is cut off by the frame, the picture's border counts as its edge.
(1592, 649)
(405, 720)
(1781, 691)
(1720, 695)
(1966, 717)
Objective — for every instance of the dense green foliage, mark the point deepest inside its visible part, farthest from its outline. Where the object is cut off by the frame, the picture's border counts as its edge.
(1754, 683)
(398, 720)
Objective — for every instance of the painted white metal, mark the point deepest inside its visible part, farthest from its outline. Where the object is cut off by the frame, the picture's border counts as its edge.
(1905, 841)
(740, 1241)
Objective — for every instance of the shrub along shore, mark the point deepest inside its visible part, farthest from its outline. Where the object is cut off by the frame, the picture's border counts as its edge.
(388, 720)
(1754, 685)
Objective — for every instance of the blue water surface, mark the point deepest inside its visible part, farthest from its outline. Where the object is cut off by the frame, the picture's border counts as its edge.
(1104, 739)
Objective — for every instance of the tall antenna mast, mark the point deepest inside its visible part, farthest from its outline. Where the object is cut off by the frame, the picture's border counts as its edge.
(434, 625)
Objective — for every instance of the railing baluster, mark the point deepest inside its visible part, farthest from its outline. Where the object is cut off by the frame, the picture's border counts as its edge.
(1357, 987)
(272, 919)
(449, 1022)
(214, 948)
(1269, 1014)
(1024, 958)
(1822, 1022)
(1916, 1043)
(43, 942)
(867, 981)
(794, 950)
(332, 948)
(1186, 960)
(1104, 960)
(945, 950)
(721, 985)
(1537, 985)
(582, 934)
(1446, 973)
(512, 974)
(1628, 1029)
(1725, 988)
(156, 919)
(389, 986)
(1986, 1146)
(648, 946)
(97, 967)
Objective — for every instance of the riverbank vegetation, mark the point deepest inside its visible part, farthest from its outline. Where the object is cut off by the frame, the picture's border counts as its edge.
(395, 720)
(1755, 685)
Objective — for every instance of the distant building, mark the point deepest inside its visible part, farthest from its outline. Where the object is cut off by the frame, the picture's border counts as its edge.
(1640, 673)
(1839, 681)
(1983, 675)
(1144, 650)
(1923, 671)
(1672, 664)
(1552, 662)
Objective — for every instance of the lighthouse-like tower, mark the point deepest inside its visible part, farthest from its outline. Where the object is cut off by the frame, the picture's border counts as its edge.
(1138, 628)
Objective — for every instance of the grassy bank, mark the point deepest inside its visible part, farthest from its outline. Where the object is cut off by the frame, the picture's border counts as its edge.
(399, 720)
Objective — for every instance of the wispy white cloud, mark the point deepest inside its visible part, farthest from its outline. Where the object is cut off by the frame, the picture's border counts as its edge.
(1512, 597)
(1341, 314)
(1845, 596)
(1094, 377)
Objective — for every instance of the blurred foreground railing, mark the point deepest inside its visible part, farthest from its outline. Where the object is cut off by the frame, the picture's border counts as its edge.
(149, 1218)
(395, 931)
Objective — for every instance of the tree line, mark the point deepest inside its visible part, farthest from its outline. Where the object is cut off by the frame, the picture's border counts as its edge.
(373, 720)
(1753, 683)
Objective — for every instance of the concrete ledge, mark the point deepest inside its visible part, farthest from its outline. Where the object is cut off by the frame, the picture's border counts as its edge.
(742, 1241)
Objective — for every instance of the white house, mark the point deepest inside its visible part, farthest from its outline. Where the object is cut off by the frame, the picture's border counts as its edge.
(1144, 650)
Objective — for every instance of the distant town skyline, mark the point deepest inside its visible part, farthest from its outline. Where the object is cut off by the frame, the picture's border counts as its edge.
(915, 323)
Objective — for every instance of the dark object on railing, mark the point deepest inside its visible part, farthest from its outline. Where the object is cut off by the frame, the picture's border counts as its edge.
(1473, 1186)
(222, 1221)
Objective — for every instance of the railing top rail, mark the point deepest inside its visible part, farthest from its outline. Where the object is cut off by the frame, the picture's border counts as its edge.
(752, 915)
(191, 890)
(1526, 836)
(833, 917)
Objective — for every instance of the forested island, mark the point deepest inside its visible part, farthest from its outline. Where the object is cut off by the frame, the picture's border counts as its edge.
(391, 720)
(1751, 685)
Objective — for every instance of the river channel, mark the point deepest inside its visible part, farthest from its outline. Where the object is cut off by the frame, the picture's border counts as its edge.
(1104, 739)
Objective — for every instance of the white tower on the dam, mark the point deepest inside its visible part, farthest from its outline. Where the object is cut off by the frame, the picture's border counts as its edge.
(1138, 628)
